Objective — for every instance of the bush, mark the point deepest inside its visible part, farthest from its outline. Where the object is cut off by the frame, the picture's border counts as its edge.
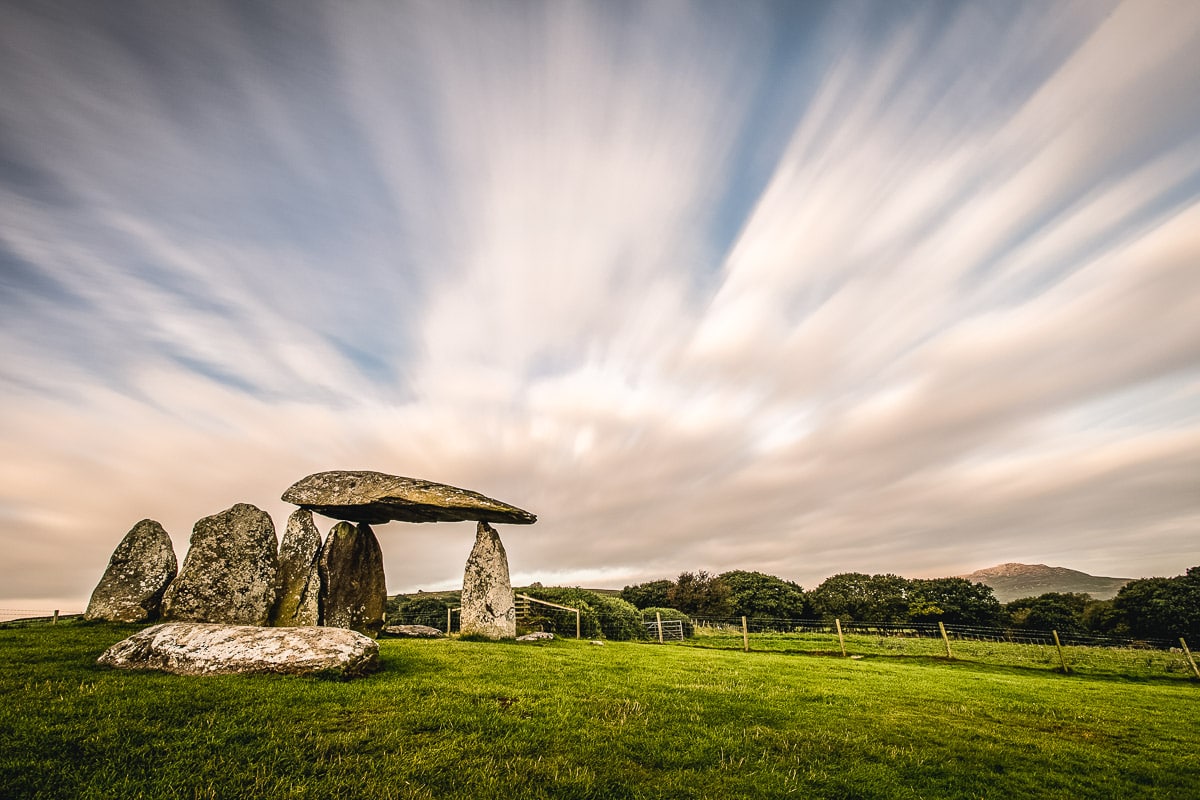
(1058, 611)
(647, 595)
(1161, 608)
(599, 615)
(954, 601)
(855, 596)
(419, 610)
(701, 595)
(760, 596)
(689, 628)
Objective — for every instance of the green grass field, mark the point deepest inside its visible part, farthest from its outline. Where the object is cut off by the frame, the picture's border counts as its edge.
(453, 718)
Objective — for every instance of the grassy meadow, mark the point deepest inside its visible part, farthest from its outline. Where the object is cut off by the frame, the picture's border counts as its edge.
(566, 719)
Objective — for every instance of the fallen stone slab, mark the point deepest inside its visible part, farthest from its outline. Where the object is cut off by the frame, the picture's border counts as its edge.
(536, 636)
(200, 648)
(376, 498)
(413, 631)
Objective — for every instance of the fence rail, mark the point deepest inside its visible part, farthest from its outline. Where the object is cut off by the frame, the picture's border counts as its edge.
(1005, 647)
(30, 616)
(931, 630)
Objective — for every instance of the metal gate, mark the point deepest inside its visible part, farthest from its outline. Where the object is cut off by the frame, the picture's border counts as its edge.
(667, 630)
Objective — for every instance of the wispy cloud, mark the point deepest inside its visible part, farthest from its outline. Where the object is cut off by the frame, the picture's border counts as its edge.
(801, 291)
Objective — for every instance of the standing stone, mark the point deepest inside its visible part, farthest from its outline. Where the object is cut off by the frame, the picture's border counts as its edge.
(229, 573)
(298, 579)
(487, 597)
(353, 587)
(137, 575)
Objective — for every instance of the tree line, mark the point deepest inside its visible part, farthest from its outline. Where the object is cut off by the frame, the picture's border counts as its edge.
(1146, 608)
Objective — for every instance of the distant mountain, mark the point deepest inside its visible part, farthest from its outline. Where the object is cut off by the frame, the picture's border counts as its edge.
(1013, 581)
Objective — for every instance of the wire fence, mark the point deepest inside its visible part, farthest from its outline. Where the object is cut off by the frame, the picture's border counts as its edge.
(980, 633)
(18, 617)
(1068, 651)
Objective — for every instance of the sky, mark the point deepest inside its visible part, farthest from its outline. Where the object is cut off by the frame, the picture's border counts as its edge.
(796, 287)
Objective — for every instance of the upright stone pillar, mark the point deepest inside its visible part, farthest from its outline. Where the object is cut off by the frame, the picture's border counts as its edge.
(141, 568)
(487, 597)
(298, 579)
(353, 586)
(228, 574)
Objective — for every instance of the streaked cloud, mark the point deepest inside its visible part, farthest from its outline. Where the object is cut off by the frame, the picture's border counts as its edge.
(799, 290)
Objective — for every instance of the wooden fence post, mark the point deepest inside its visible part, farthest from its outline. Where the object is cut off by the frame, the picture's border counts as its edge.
(658, 616)
(55, 621)
(1062, 659)
(448, 622)
(745, 636)
(945, 639)
(1191, 660)
(841, 640)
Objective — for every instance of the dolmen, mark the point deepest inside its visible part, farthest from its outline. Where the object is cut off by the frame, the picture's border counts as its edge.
(371, 498)
(235, 575)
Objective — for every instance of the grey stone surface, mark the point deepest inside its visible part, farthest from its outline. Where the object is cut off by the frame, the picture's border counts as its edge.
(229, 573)
(298, 578)
(353, 587)
(197, 648)
(413, 631)
(487, 597)
(536, 636)
(138, 573)
(375, 498)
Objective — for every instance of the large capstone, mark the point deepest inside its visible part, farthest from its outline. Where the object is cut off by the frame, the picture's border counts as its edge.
(376, 498)
(487, 597)
(137, 575)
(298, 578)
(196, 648)
(229, 573)
(353, 587)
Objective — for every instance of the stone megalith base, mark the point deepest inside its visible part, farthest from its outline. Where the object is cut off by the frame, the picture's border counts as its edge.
(487, 597)
(298, 579)
(138, 573)
(228, 574)
(353, 586)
